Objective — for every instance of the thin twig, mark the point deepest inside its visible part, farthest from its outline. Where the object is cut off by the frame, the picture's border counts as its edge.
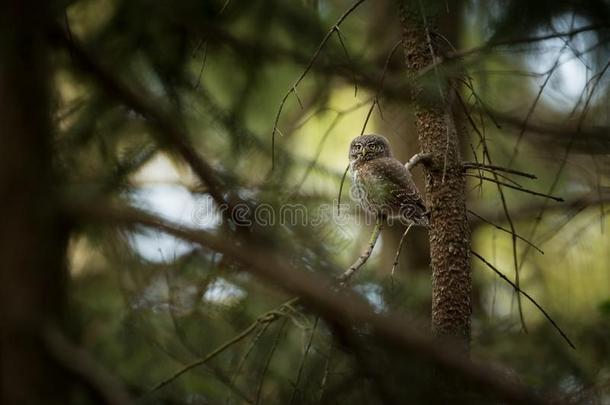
(496, 175)
(68, 30)
(362, 259)
(474, 154)
(268, 361)
(513, 230)
(568, 149)
(334, 28)
(349, 60)
(526, 295)
(402, 239)
(245, 333)
(530, 112)
(203, 60)
(341, 190)
(508, 42)
(380, 86)
(248, 351)
(303, 358)
(525, 190)
(505, 230)
(476, 165)
(224, 6)
(326, 372)
(267, 317)
(171, 309)
(479, 100)
(338, 117)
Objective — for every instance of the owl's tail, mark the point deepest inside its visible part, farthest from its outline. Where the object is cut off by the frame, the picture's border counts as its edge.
(415, 214)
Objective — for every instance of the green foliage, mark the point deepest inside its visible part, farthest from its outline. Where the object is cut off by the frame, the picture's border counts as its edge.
(219, 70)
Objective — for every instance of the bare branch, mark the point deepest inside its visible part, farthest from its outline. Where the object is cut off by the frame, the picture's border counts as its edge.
(341, 189)
(224, 6)
(477, 166)
(507, 215)
(530, 112)
(276, 341)
(402, 239)
(526, 295)
(245, 333)
(496, 175)
(338, 117)
(326, 373)
(303, 358)
(349, 60)
(334, 28)
(362, 259)
(568, 149)
(525, 190)
(265, 319)
(505, 230)
(380, 86)
(248, 351)
(573, 205)
(204, 59)
(510, 42)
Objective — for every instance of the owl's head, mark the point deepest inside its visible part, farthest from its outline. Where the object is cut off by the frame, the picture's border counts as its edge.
(369, 147)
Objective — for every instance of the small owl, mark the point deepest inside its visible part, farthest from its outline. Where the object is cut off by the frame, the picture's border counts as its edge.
(383, 186)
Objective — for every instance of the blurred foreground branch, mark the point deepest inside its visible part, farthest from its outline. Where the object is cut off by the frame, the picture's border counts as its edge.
(342, 306)
(77, 361)
(171, 131)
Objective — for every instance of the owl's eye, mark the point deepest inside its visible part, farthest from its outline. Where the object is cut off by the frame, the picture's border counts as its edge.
(376, 147)
(357, 147)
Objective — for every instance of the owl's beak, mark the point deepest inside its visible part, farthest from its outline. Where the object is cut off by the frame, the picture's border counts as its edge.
(364, 152)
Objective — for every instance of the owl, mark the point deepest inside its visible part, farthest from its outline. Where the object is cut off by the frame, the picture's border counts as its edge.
(382, 185)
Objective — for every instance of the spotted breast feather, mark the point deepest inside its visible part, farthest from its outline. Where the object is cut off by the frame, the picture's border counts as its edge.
(387, 189)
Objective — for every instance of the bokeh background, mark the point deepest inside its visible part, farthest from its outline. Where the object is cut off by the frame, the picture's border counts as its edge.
(144, 304)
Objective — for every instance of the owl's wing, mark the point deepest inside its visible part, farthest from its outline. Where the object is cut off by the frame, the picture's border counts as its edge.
(401, 190)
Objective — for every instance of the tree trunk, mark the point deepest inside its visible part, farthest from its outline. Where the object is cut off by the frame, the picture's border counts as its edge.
(32, 239)
(437, 124)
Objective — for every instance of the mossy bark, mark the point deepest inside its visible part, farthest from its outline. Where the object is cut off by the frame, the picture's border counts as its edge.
(438, 125)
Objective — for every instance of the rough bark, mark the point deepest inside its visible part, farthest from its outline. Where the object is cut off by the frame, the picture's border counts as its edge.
(32, 239)
(437, 124)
